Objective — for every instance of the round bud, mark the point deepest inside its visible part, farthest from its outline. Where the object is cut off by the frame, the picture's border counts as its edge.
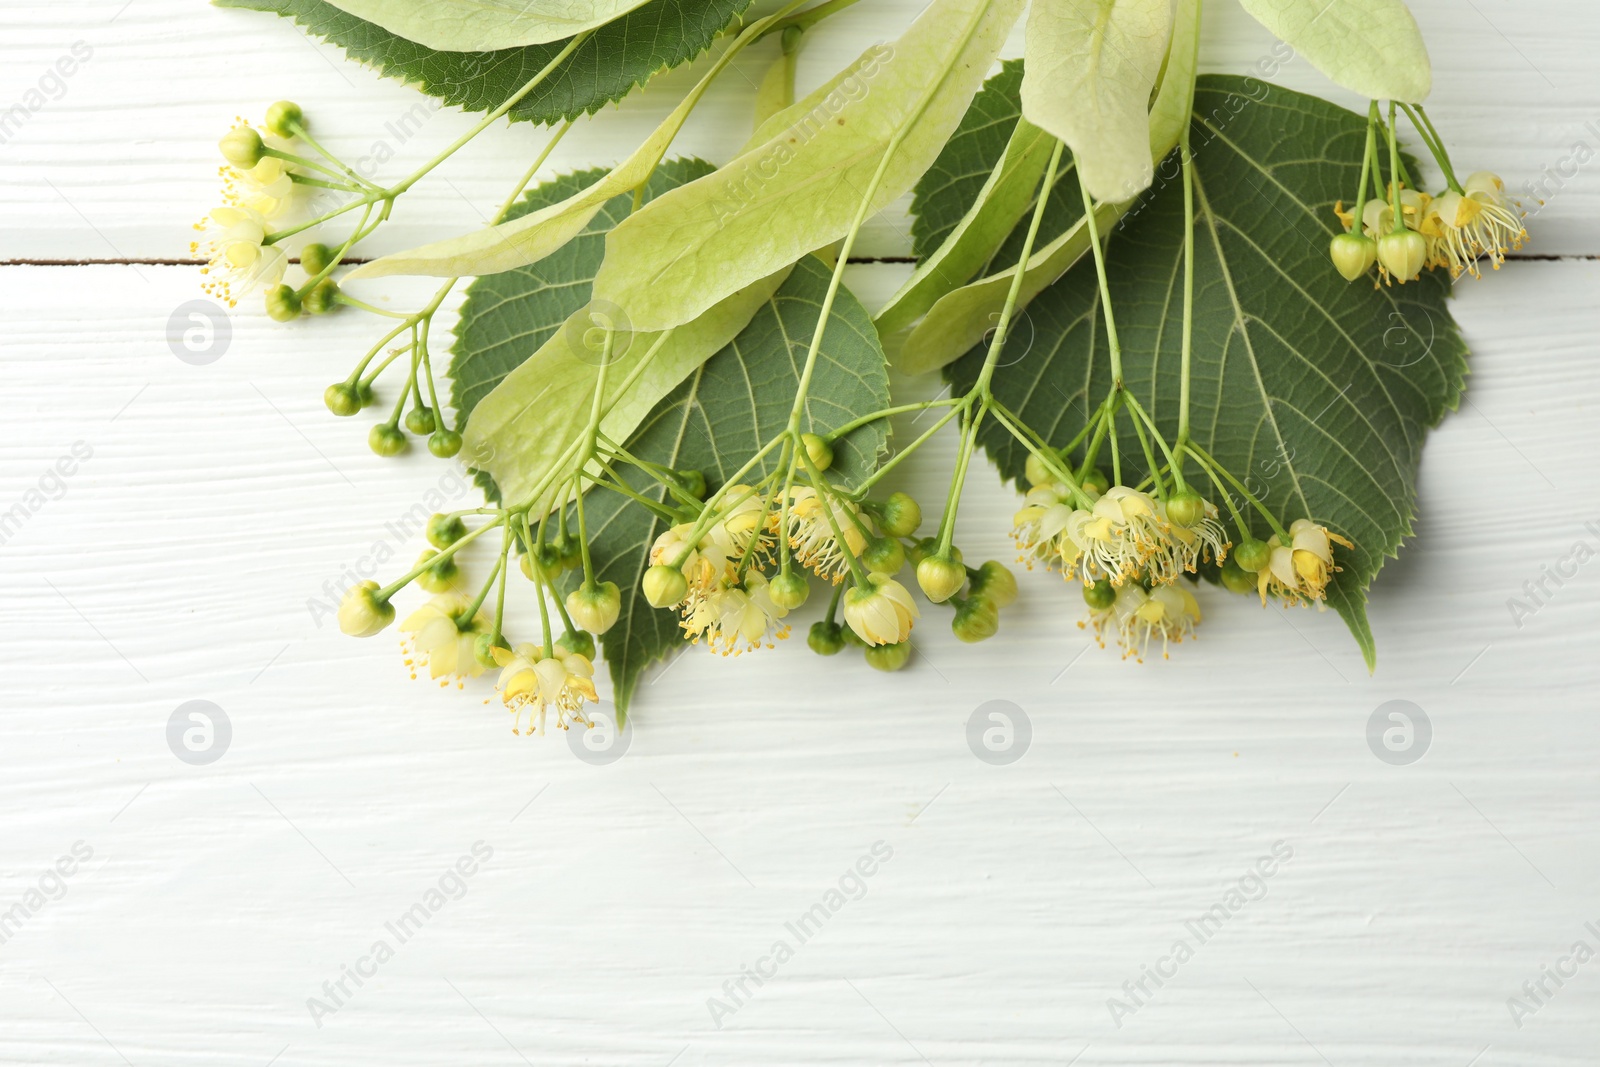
(315, 257)
(1251, 555)
(818, 450)
(900, 515)
(885, 555)
(242, 147)
(825, 638)
(595, 607)
(577, 642)
(789, 590)
(444, 443)
(1100, 596)
(341, 399)
(978, 619)
(283, 303)
(889, 657)
(546, 559)
(571, 552)
(1186, 508)
(420, 421)
(483, 650)
(996, 584)
(323, 297)
(439, 577)
(386, 440)
(941, 577)
(445, 530)
(693, 483)
(283, 118)
(1096, 481)
(1353, 254)
(361, 613)
(665, 586)
(1403, 254)
(1235, 579)
(1036, 471)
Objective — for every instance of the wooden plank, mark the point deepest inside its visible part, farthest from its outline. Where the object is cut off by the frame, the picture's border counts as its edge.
(119, 159)
(180, 562)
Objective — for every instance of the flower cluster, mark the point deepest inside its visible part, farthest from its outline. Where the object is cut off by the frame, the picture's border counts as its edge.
(237, 239)
(1452, 231)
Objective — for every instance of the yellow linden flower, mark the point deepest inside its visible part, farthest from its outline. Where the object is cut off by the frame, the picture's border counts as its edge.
(237, 260)
(881, 613)
(1193, 545)
(1040, 529)
(440, 643)
(1478, 223)
(1169, 612)
(533, 682)
(1299, 572)
(811, 535)
(736, 619)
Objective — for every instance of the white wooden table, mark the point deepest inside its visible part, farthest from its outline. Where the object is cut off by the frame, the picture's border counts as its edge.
(609, 905)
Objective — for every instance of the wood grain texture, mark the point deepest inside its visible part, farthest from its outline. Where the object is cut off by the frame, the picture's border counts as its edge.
(180, 561)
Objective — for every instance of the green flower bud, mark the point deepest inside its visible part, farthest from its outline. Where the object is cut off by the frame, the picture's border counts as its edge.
(1096, 481)
(1353, 254)
(1186, 508)
(1403, 254)
(1235, 579)
(444, 443)
(885, 555)
(361, 613)
(242, 147)
(977, 619)
(921, 550)
(941, 577)
(283, 303)
(578, 643)
(542, 564)
(420, 421)
(665, 586)
(996, 584)
(342, 399)
(818, 450)
(386, 440)
(571, 552)
(483, 649)
(1037, 472)
(789, 590)
(439, 577)
(1100, 596)
(315, 257)
(826, 638)
(889, 657)
(445, 530)
(323, 297)
(900, 515)
(283, 117)
(595, 607)
(693, 483)
(1251, 555)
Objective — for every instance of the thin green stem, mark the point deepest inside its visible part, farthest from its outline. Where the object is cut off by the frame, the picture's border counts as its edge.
(1112, 343)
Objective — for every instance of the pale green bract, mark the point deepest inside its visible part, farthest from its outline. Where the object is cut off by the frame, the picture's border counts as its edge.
(1002, 202)
(802, 189)
(959, 319)
(1091, 66)
(483, 25)
(1372, 47)
(530, 238)
(520, 431)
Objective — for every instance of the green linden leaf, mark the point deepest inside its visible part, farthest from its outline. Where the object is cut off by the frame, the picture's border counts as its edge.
(1315, 392)
(712, 421)
(482, 25)
(620, 56)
